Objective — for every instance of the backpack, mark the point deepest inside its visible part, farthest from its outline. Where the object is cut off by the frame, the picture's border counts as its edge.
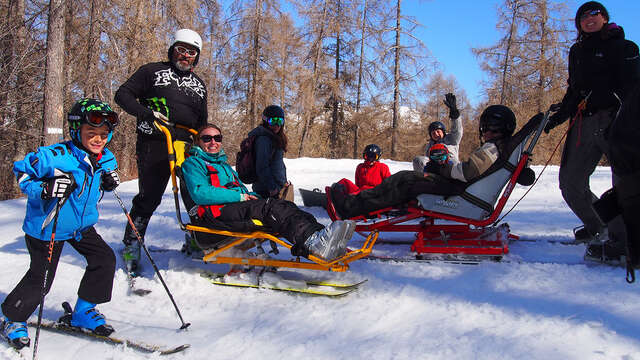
(246, 161)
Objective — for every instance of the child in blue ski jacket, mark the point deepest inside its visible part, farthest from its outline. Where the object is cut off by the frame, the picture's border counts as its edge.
(64, 183)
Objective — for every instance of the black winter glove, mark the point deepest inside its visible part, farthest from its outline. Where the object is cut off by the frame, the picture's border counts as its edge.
(58, 187)
(109, 180)
(145, 124)
(450, 102)
(432, 167)
(554, 120)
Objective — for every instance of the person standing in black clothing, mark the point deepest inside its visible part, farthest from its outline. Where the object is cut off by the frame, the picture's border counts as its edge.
(171, 89)
(625, 164)
(270, 146)
(603, 66)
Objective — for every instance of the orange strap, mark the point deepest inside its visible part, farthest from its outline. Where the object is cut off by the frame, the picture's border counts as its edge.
(581, 106)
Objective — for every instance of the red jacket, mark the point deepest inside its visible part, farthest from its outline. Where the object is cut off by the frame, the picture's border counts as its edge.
(369, 175)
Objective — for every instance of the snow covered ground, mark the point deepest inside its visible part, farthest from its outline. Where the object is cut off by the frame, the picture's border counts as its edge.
(542, 302)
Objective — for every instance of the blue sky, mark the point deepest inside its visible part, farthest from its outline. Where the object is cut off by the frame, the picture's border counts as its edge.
(452, 27)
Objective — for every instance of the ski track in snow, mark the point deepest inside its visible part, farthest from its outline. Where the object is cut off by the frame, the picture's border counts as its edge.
(542, 302)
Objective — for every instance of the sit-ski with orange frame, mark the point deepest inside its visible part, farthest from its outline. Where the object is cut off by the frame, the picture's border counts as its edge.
(215, 256)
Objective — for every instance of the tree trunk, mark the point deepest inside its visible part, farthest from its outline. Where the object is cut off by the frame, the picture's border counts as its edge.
(213, 60)
(359, 86)
(542, 62)
(335, 97)
(53, 118)
(15, 139)
(255, 56)
(6, 55)
(396, 86)
(505, 65)
(22, 139)
(91, 87)
(311, 92)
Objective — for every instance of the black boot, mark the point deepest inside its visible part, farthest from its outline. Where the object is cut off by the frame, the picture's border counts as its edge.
(610, 252)
(141, 225)
(338, 195)
(131, 252)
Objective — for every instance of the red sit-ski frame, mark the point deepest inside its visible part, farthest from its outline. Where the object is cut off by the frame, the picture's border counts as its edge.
(468, 237)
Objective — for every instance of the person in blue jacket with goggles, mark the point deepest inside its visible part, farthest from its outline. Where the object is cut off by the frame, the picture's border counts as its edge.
(63, 183)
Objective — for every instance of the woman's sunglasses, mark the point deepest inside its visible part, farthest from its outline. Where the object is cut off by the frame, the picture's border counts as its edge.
(99, 118)
(208, 138)
(586, 14)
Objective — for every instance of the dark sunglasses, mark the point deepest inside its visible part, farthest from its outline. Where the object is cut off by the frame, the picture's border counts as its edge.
(275, 121)
(99, 118)
(588, 13)
(186, 52)
(208, 138)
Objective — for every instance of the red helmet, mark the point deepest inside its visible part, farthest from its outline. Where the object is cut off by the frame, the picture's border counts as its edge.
(439, 153)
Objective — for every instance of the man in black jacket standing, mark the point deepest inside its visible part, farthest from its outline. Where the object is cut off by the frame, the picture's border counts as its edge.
(171, 89)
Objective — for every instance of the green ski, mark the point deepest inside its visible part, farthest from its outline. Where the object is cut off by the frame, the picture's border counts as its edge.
(318, 288)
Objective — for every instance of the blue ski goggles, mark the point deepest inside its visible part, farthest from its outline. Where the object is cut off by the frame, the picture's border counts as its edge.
(439, 158)
(273, 121)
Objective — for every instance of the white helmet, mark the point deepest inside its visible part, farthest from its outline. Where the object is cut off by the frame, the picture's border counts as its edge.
(188, 36)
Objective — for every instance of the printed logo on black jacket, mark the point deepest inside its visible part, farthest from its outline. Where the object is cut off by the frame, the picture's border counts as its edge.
(168, 76)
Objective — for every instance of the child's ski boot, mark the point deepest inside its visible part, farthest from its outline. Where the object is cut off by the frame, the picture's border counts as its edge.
(15, 332)
(85, 316)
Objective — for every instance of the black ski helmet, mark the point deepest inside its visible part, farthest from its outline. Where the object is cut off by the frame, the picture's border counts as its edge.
(498, 118)
(80, 112)
(437, 125)
(372, 152)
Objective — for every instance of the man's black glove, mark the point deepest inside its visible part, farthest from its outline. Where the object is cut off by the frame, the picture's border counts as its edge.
(109, 180)
(145, 124)
(555, 120)
(450, 102)
(58, 187)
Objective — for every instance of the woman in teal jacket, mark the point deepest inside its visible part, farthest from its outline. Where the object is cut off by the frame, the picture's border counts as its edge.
(74, 174)
(224, 202)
